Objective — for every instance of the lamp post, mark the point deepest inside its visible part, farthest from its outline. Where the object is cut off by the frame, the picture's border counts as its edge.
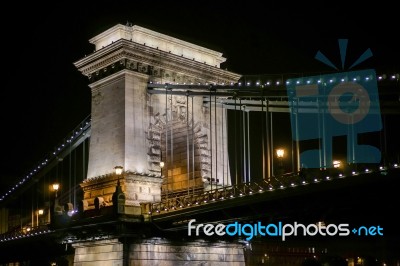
(161, 166)
(38, 213)
(118, 171)
(337, 164)
(56, 186)
(118, 197)
(280, 153)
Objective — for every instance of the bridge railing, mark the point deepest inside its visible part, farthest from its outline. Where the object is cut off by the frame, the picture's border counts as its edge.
(221, 194)
(173, 202)
(301, 178)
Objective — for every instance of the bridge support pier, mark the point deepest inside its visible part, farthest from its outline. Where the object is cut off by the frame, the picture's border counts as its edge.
(157, 251)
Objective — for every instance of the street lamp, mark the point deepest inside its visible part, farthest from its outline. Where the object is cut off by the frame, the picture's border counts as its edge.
(38, 213)
(118, 197)
(56, 186)
(54, 208)
(336, 163)
(118, 170)
(280, 153)
(161, 166)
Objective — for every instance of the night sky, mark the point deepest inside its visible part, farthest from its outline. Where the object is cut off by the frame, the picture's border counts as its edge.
(44, 96)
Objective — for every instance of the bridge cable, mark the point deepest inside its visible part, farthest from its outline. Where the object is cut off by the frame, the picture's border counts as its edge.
(211, 143)
(75, 188)
(244, 143)
(236, 159)
(172, 143)
(243, 164)
(262, 135)
(187, 144)
(216, 140)
(193, 165)
(248, 146)
(271, 149)
(166, 143)
(70, 172)
(83, 159)
(223, 110)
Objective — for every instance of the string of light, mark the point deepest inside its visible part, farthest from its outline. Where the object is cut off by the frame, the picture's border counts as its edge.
(73, 136)
(256, 81)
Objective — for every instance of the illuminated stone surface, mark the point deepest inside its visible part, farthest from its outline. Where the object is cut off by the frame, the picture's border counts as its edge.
(158, 252)
(132, 128)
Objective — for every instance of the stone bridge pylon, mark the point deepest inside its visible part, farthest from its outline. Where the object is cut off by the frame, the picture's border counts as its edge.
(138, 130)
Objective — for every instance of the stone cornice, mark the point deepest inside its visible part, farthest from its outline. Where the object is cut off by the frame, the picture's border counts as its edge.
(159, 41)
(124, 49)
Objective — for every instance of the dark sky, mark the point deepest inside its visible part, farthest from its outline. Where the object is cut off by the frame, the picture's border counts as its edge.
(44, 97)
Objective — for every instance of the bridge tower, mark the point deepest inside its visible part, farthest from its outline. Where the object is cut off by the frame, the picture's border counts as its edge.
(143, 132)
(138, 131)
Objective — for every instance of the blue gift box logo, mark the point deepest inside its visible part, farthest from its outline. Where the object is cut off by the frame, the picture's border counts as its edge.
(339, 104)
